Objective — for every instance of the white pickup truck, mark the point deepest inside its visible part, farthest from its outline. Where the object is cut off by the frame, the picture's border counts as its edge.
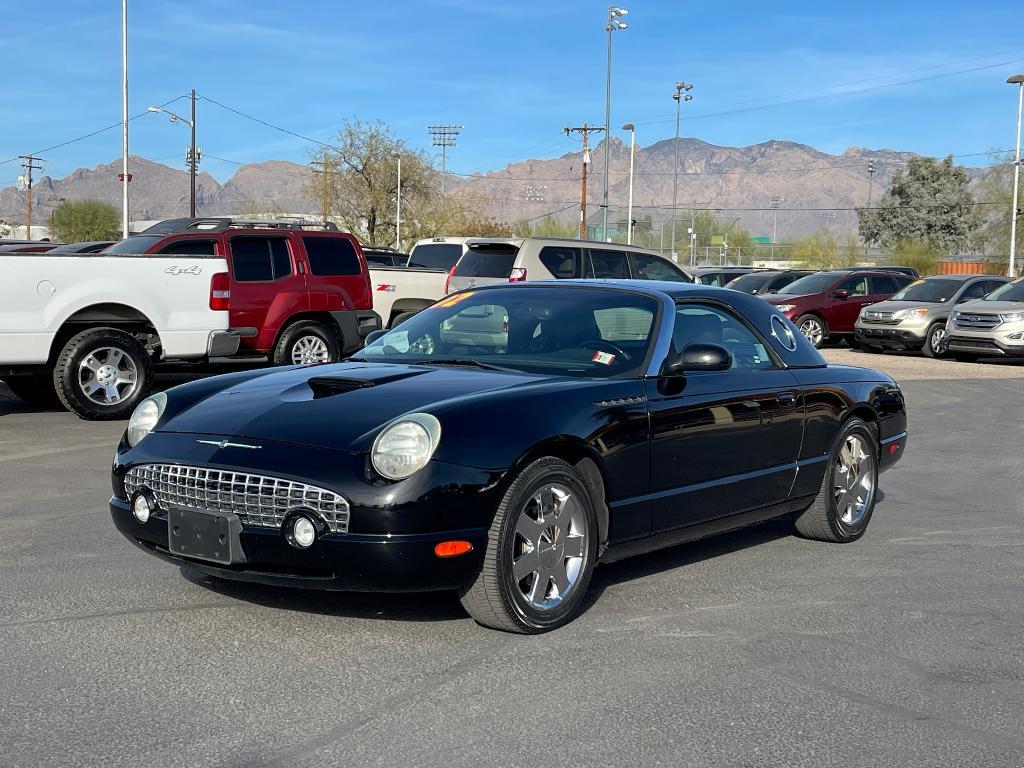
(401, 290)
(87, 328)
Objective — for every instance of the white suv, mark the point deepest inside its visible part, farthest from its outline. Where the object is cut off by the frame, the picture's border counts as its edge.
(493, 260)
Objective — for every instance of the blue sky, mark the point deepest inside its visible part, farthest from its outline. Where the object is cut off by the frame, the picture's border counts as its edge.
(512, 73)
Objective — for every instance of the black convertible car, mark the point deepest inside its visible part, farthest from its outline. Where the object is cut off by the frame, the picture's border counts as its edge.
(507, 439)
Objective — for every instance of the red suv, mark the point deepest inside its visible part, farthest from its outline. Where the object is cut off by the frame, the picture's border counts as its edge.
(825, 305)
(296, 293)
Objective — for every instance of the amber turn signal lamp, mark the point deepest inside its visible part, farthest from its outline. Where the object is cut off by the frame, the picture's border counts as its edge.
(452, 548)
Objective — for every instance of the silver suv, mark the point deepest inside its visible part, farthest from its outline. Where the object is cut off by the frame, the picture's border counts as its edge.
(915, 318)
(489, 260)
(993, 326)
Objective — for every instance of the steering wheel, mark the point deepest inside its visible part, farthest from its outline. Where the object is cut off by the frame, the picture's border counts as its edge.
(606, 346)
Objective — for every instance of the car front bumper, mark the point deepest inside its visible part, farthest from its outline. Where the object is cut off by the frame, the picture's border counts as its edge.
(335, 561)
(984, 345)
(890, 336)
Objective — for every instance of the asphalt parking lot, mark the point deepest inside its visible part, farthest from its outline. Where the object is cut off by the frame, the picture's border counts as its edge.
(754, 648)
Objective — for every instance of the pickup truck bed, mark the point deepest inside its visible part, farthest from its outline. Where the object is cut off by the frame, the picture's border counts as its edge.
(397, 290)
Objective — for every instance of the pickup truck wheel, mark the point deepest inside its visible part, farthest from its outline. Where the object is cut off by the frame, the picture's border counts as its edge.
(540, 555)
(102, 373)
(35, 389)
(307, 342)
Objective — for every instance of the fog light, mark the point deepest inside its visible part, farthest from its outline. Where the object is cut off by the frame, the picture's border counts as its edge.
(142, 507)
(302, 533)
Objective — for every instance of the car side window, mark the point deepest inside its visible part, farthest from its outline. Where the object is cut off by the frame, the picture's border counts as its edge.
(561, 261)
(259, 259)
(975, 290)
(882, 284)
(706, 324)
(607, 264)
(854, 286)
(191, 246)
(331, 256)
(647, 267)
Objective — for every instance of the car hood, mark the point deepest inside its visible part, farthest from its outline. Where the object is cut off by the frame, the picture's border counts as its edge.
(787, 298)
(896, 306)
(982, 307)
(338, 406)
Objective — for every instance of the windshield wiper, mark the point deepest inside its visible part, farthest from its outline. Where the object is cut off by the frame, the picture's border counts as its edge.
(464, 361)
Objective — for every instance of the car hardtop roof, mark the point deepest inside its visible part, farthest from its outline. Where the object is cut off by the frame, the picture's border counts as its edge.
(962, 277)
(566, 240)
(668, 288)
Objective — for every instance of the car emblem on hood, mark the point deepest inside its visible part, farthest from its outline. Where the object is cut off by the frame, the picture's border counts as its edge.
(228, 444)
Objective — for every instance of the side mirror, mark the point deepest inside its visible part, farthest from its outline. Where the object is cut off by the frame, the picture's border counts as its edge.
(373, 336)
(842, 293)
(700, 357)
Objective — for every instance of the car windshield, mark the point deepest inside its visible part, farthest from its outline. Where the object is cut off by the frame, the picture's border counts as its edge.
(435, 255)
(751, 283)
(1009, 292)
(817, 283)
(579, 332)
(137, 244)
(935, 291)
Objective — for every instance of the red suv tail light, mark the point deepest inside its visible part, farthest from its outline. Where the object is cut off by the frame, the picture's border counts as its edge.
(448, 280)
(518, 275)
(220, 292)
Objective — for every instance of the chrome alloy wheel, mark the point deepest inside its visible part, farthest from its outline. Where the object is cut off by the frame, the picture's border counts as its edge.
(310, 349)
(939, 340)
(813, 330)
(107, 376)
(550, 546)
(853, 481)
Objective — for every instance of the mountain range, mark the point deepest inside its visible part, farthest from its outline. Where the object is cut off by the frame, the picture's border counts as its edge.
(814, 189)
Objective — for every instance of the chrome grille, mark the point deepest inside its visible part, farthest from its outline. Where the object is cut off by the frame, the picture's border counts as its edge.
(978, 322)
(256, 499)
(878, 317)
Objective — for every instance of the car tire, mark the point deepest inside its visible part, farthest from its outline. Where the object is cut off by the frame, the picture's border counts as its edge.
(936, 341)
(307, 342)
(844, 518)
(545, 518)
(106, 359)
(854, 343)
(814, 328)
(35, 389)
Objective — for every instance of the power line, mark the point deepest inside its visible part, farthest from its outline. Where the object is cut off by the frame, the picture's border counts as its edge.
(268, 125)
(89, 135)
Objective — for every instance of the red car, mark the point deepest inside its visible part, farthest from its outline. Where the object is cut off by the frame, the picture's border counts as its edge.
(296, 293)
(825, 305)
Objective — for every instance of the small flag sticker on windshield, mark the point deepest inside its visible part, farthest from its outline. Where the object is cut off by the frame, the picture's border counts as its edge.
(604, 358)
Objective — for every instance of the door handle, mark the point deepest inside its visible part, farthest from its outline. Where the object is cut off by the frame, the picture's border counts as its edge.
(787, 399)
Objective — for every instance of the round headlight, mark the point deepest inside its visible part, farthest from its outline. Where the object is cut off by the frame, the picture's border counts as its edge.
(145, 418)
(405, 446)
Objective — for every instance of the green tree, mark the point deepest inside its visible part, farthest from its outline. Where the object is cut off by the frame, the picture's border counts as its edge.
(929, 201)
(76, 222)
(996, 190)
(824, 251)
(919, 254)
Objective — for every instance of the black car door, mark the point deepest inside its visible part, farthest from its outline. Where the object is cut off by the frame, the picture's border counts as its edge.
(722, 442)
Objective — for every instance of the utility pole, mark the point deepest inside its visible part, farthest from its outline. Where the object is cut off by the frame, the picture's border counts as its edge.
(193, 159)
(398, 209)
(125, 176)
(29, 165)
(585, 130)
(774, 202)
(1017, 80)
(871, 179)
(443, 136)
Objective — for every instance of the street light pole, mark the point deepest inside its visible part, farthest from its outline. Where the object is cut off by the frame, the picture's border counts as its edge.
(398, 209)
(629, 209)
(124, 119)
(192, 154)
(679, 98)
(1017, 80)
(614, 22)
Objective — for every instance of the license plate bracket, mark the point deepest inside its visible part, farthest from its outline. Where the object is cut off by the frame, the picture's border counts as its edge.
(213, 536)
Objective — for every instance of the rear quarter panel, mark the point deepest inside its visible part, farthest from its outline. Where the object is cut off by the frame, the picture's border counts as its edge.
(40, 292)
